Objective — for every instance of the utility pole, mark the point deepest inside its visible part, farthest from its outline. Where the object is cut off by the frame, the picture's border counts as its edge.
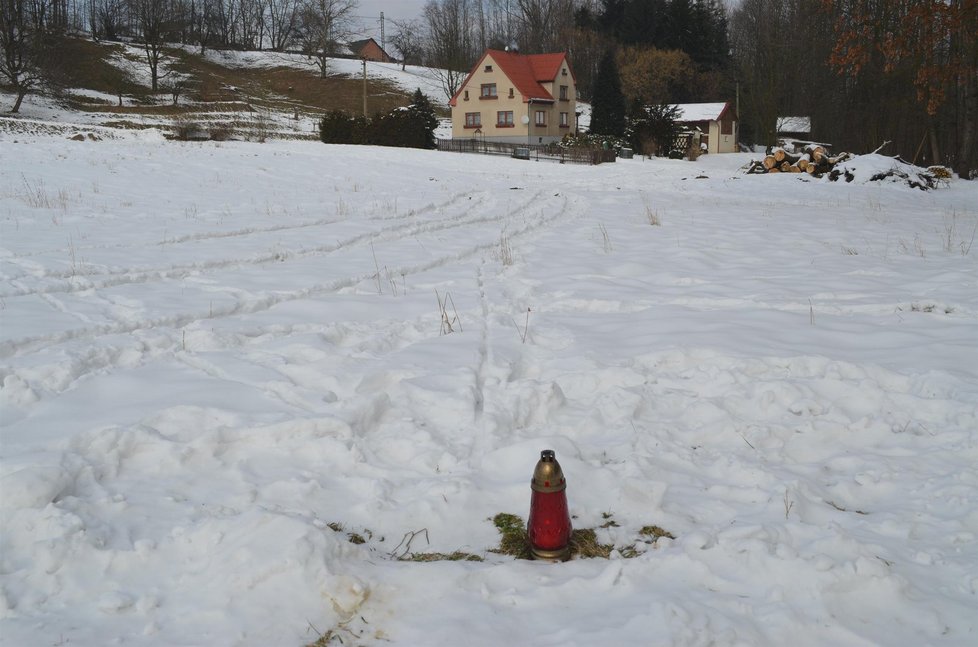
(364, 86)
(737, 123)
(383, 44)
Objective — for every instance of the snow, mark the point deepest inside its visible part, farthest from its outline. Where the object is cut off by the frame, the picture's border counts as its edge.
(794, 124)
(699, 111)
(411, 78)
(220, 361)
(874, 167)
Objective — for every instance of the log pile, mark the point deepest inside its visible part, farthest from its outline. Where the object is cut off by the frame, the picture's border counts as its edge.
(861, 169)
(813, 159)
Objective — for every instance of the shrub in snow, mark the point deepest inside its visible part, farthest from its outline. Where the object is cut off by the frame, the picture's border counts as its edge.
(592, 140)
(410, 127)
(185, 129)
(652, 130)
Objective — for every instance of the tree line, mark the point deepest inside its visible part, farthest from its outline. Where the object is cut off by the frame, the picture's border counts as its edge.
(865, 71)
(663, 46)
(30, 29)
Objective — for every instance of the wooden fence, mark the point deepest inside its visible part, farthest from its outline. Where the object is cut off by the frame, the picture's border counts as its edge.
(545, 152)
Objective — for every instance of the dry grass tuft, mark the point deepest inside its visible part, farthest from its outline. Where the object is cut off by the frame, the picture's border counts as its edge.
(513, 541)
(655, 532)
(457, 556)
(609, 522)
(352, 537)
(584, 543)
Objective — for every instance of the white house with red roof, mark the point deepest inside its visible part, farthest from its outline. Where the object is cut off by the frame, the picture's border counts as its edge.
(516, 98)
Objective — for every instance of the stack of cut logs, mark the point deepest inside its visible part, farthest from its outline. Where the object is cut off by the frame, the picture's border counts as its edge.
(814, 160)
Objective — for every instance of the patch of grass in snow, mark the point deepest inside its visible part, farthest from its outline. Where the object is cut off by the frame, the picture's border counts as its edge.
(513, 541)
(609, 522)
(584, 542)
(655, 532)
(457, 556)
(352, 537)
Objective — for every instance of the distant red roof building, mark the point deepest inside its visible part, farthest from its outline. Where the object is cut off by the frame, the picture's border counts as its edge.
(370, 50)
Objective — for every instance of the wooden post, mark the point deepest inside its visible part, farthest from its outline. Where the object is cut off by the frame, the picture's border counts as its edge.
(365, 87)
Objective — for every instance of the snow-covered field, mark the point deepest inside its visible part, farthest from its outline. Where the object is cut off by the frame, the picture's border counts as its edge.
(222, 362)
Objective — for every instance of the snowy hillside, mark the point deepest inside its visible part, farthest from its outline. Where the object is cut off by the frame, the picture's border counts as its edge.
(255, 110)
(412, 77)
(233, 409)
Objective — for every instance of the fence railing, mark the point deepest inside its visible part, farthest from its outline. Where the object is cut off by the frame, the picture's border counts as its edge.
(545, 152)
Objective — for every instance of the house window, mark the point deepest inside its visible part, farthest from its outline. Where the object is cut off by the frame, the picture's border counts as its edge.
(488, 68)
(488, 91)
(473, 119)
(563, 72)
(540, 118)
(726, 127)
(504, 119)
(564, 122)
(466, 95)
(563, 93)
(511, 93)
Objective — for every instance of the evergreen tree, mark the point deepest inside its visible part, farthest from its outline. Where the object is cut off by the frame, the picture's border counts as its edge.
(645, 22)
(423, 121)
(413, 126)
(608, 102)
(652, 130)
(710, 45)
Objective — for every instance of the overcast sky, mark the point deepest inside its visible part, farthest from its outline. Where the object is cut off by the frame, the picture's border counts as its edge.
(369, 13)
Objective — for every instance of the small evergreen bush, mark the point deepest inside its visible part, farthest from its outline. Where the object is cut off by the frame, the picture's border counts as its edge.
(652, 130)
(410, 127)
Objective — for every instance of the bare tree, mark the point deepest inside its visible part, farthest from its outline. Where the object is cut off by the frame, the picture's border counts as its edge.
(202, 22)
(498, 23)
(154, 19)
(225, 19)
(451, 46)
(925, 48)
(282, 17)
(250, 30)
(544, 24)
(408, 38)
(322, 24)
(767, 60)
(106, 18)
(21, 49)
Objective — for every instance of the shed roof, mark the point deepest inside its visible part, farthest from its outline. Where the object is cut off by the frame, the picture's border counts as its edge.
(701, 111)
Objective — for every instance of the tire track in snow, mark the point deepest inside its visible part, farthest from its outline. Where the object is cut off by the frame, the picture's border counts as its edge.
(81, 283)
(431, 207)
(547, 216)
(480, 373)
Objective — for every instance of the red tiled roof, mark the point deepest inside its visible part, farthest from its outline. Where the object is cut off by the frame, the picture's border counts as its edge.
(526, 71)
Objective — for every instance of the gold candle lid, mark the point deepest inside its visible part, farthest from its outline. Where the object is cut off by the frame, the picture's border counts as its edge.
(548, 477)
